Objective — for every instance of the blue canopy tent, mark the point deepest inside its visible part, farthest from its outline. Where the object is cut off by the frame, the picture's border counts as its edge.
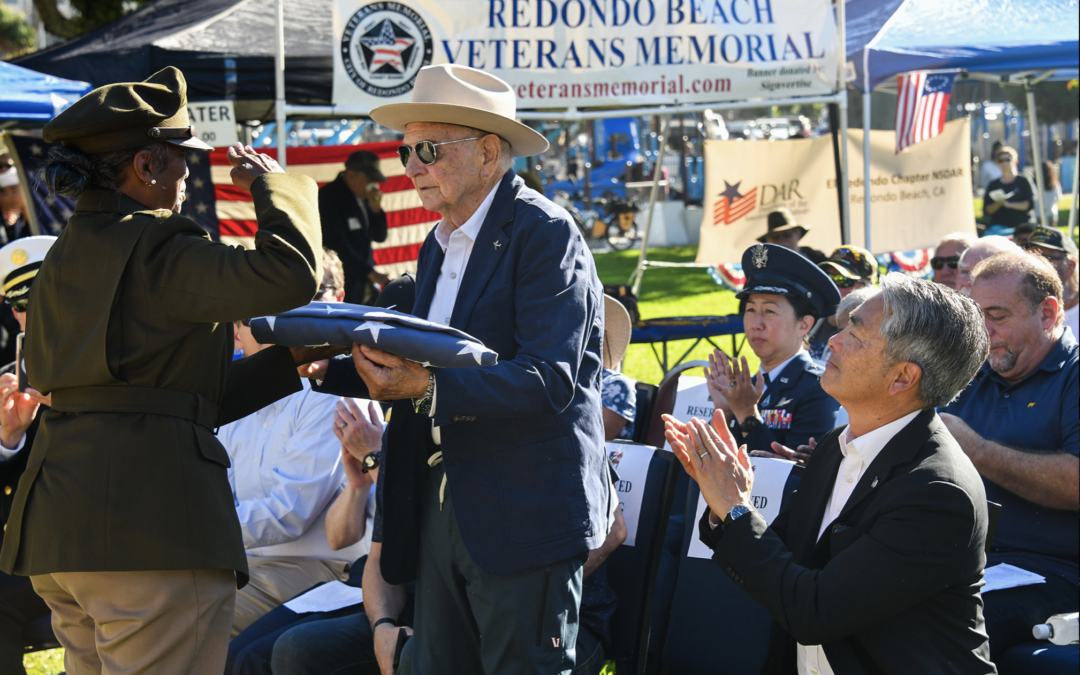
(30, 96)
(1036, 38)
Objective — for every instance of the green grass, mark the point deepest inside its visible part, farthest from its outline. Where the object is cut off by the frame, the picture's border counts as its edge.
(48, 662)
(669, 292)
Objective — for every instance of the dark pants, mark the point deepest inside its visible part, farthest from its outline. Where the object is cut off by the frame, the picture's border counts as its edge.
(19, 605)
(1011, 613)
(471, 622)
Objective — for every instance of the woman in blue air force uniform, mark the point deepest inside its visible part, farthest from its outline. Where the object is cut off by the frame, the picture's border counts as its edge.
(784, 295)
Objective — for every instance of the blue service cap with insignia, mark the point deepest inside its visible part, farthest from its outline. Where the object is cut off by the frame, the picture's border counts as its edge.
(19, 264)
(780, 271)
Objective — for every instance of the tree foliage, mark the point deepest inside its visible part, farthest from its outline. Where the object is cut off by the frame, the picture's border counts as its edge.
(16, 36)
(90, 14)
(1054, 101)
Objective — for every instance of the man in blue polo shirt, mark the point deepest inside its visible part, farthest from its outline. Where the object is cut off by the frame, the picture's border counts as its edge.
(1019, 422)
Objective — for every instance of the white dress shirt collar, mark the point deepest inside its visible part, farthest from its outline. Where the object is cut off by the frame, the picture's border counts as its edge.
(471, 227)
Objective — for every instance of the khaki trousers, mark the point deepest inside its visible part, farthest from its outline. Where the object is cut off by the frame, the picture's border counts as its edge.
(147, 623)
(275, 581)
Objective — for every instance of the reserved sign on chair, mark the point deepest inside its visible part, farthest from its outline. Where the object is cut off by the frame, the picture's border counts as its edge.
(631, 460)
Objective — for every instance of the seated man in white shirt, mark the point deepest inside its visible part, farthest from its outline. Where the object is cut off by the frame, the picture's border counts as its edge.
(286, 471)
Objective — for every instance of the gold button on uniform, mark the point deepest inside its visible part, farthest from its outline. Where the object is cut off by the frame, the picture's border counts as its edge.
(7, 489)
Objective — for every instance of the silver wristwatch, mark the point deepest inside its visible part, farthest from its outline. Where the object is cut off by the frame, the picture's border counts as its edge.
(736, 511)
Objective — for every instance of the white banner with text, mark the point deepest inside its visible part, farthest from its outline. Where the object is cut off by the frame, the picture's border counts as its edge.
(917, 196)
(587, 53)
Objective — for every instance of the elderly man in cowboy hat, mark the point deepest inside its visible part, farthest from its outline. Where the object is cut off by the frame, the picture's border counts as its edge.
(785, 231)
(494, 481)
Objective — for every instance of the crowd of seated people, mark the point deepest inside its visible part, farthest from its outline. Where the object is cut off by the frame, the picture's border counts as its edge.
(305, 470)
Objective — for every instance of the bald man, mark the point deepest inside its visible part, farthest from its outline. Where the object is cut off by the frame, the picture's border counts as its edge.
(981, 250)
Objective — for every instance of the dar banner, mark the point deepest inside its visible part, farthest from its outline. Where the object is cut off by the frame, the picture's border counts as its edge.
(587, 53)
(917, 196)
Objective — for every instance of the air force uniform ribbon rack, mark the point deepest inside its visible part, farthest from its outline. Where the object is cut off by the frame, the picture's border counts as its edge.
(323, 324)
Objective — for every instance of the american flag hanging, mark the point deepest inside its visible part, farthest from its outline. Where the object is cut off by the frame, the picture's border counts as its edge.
(921, 105)
(407, 222)
(52, 211)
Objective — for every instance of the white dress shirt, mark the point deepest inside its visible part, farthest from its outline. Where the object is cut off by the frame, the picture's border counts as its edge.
(858, 454)
(286, 471)
(457, 246)
(1072, 320)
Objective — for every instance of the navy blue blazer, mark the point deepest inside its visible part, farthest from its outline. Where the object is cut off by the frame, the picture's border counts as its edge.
(522, 441)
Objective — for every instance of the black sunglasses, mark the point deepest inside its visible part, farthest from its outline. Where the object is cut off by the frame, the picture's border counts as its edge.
(425, 150)
(18, 304)
(841, 281)
(938, 262)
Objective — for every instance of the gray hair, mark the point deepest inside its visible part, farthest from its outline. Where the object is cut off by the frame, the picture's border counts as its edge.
(966, 238)
(851, 301)
(506, 152)
(937, 329)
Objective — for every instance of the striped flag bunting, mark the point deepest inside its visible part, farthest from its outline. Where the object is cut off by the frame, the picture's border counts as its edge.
(921, 106)
(408, 223)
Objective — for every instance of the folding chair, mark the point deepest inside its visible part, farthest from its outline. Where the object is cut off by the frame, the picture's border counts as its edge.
(715, 627)
(38, 635)
(646, 398)
(632, 570)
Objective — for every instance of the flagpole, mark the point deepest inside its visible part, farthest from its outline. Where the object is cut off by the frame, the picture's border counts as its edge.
(279, 81)
(841, 88)
(1036, 151)
(867, 243)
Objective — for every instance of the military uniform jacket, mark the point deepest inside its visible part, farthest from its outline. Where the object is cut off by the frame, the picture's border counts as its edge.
(130, 329)
(793, 408)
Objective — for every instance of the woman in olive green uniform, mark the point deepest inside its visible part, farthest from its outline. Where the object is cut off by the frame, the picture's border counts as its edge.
(124, 518)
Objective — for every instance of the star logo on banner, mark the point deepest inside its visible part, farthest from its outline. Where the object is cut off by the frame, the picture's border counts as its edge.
(373, 327)
(732, 205)
(387, 50)
(472, 348)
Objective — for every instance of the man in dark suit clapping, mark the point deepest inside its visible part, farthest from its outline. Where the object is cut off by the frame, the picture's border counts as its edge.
(882, 546)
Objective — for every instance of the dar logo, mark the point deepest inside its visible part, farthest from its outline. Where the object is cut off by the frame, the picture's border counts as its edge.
(732, 204)
(383, 46)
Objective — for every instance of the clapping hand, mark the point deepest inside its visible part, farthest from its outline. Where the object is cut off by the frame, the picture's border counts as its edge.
(710, 457)
(17, 410)
(359, 437)
(801, 455)
(730, 386)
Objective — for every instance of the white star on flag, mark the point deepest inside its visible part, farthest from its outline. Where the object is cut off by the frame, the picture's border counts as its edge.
(374, 327)
(472, 348)
(270, 322)
(331, 310)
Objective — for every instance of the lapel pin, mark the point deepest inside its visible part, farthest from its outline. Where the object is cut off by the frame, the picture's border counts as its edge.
(874, 484)
(497, 244)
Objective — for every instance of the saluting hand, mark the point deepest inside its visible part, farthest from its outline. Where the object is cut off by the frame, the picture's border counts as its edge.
(249, 165)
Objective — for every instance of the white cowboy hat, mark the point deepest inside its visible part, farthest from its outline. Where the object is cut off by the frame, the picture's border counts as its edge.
(449, 94)
(617, 331)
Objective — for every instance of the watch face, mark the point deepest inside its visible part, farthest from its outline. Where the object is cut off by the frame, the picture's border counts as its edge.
(370, 461)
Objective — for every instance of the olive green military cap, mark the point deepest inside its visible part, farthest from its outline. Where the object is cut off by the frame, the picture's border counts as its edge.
(128, 115)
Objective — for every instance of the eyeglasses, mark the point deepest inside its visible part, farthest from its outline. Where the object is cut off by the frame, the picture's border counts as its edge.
(1052, 257)
(841, 281)
(1004, 159)
(425, 150)
(18, 304)
(938, 262)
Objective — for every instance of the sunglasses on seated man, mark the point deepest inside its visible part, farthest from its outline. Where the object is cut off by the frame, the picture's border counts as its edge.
(938, 262)
(425, 150)
(18, 304)
(841, 281)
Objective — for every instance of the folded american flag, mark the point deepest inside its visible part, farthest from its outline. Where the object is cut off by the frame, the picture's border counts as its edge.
(338, 323)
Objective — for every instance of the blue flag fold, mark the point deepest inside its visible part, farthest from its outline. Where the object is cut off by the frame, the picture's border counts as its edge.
(341, 324)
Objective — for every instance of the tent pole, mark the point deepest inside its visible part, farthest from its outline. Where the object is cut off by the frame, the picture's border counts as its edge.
(279, 80)
(1075, 200)
(866, 169)
(640, 270)
(1036, 150)
(843, 180)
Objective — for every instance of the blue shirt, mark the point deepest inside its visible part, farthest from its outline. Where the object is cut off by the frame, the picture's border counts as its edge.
(617, 394)
(1041, 413)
